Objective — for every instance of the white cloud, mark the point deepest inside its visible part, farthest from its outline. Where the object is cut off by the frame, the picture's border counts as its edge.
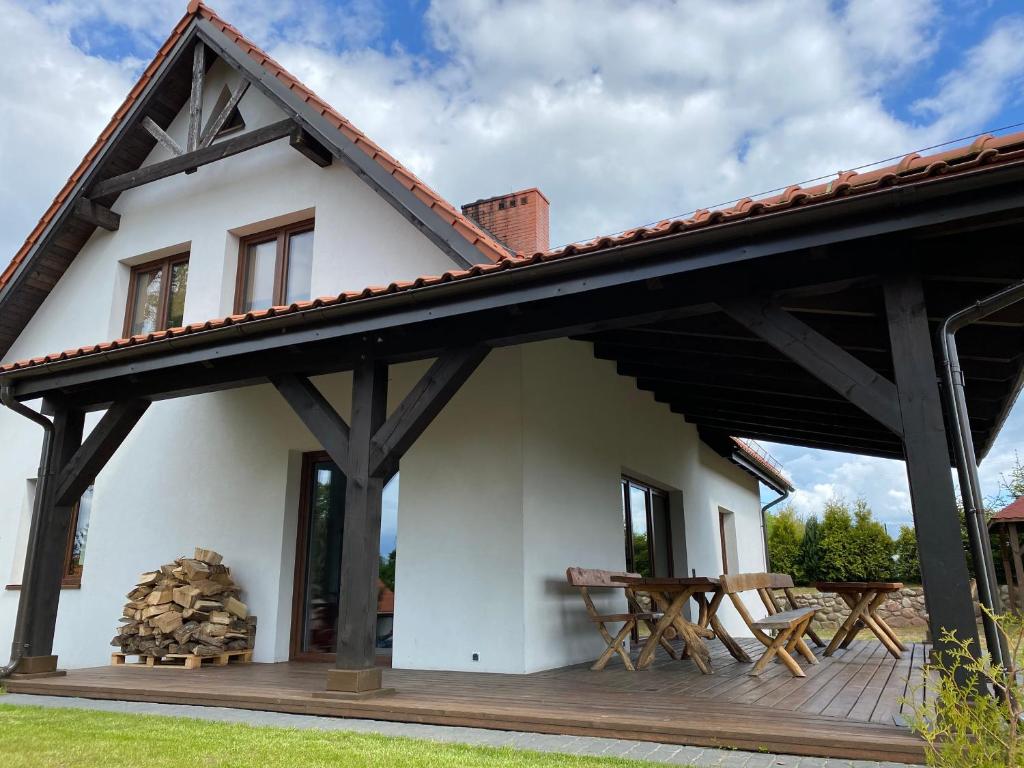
(623, 113)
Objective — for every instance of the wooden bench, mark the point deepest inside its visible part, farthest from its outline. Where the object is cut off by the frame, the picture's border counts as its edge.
(788, 626)
(586, 579)
(779, 595)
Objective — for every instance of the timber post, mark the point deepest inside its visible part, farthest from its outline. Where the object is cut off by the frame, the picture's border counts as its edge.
(47, 544)
(355, 670)
(936, 520)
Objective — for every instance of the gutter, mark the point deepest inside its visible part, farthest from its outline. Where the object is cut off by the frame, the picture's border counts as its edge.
(44, 474)
(784, 492)
(966, 460)
(764, 526)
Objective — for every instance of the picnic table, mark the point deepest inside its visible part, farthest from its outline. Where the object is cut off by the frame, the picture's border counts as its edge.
(863, 599)
(671, 595)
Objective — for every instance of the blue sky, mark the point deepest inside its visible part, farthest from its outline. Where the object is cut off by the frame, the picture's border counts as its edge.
(622, 112)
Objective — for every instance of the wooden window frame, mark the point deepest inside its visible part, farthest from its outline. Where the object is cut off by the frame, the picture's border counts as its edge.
(70, 579)
(165, 264)
(653, 543)
(281, 235)
(295, 652)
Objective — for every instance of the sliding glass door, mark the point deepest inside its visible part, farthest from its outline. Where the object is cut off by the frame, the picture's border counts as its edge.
(318, 584)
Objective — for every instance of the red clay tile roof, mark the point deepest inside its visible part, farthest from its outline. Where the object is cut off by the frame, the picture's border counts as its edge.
(489, 249)
(1011, 513)
(985, 152)
(764, 460)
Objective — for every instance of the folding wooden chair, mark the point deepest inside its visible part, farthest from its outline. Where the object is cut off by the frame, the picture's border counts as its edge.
(586, 579)
(789, 626)
(777, 603)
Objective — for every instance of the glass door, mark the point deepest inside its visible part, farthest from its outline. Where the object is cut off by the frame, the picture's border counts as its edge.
(318, 562)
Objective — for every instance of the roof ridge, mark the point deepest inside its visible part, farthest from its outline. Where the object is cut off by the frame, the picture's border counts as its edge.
(489, 249)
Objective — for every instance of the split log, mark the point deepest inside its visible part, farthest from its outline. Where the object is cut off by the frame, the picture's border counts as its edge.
(191, 606)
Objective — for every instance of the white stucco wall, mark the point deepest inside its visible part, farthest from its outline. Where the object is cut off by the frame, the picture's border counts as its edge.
(214, 470)
(517, 479)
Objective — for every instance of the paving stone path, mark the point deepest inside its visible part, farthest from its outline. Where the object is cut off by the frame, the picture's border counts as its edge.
(698, 757)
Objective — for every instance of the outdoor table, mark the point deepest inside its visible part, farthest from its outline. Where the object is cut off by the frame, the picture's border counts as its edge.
(671, 595)
(863, 599)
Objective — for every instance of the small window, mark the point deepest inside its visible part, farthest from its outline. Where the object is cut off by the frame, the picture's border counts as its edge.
(512, 203)
(234, 122)
(522, 201)
(75, 558)
(156, 296)
(275, 268)
(645, 521)
(501, 205)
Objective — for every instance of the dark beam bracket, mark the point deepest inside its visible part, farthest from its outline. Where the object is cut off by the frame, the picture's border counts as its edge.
(319, 416)
(94, 453)
(97, 215)
(419, 408)
(303, 141)
(831, 364)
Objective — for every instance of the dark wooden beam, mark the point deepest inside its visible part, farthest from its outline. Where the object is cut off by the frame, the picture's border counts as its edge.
(175, 165)
(218, 121)
(162, 137)
(106, 437)
(97, 215)
(426, 399)
(360, 549)
(303, 141)
(829, 363)
(47, 541)
(319, 416)
(195, 99)
(936, 519)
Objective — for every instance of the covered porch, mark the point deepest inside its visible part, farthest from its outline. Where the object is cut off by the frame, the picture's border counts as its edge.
(809, 320)
(848, 706)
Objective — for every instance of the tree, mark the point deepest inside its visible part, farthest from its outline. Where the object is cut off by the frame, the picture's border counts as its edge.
(387, 569)
(810, 551)
(836, 542)
(872, 548)
(908, 566)
(785, 530)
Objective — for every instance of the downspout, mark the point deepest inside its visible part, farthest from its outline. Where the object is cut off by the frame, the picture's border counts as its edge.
(764, 524)
(966, 460)
(42, 481)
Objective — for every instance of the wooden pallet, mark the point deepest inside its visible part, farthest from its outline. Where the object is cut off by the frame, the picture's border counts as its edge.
(181, 660)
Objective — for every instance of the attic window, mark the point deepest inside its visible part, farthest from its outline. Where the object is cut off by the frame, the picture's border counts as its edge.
(234, 121)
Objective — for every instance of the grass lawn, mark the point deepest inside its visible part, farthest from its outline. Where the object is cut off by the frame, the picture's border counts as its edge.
(37, 736)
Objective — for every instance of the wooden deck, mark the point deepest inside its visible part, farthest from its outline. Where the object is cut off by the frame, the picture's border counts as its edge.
(847, 706)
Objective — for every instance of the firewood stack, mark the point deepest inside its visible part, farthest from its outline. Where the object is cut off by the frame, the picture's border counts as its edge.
(190, 606)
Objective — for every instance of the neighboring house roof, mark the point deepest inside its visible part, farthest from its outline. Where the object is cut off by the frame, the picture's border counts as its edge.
(764, 461)
(487, 246)
(1011, 513)
(983, 154)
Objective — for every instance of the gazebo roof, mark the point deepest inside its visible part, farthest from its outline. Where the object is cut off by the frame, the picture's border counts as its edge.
(1011, 513)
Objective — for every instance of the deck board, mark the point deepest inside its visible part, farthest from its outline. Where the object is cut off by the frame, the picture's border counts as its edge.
(847, 706)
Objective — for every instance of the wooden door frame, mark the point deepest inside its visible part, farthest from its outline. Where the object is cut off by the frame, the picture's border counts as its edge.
(295, 652)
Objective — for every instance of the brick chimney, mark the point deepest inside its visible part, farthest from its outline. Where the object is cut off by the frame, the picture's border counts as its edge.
(518, 219)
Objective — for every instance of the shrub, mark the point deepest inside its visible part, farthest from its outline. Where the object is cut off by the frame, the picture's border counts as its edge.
(908, 566)
(836, 542)
(810, 551)
(872, 547)
(961, 728)
(784, 533)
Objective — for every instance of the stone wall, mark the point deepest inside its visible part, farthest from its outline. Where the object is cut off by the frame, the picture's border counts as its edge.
(904, 609)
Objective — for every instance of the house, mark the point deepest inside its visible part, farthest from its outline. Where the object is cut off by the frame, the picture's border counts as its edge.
(280, 344)
(525, 472)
